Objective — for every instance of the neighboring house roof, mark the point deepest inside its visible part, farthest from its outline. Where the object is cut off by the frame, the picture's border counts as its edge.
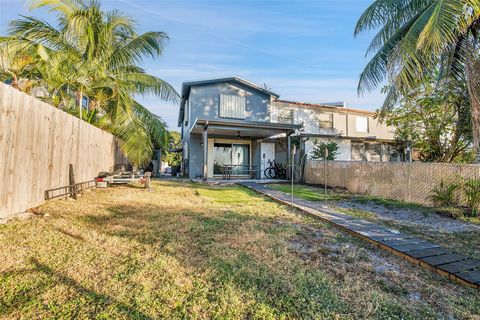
(187, 85)
(326, 107)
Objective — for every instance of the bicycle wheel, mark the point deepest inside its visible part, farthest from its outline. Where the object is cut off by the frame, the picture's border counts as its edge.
(269, 173)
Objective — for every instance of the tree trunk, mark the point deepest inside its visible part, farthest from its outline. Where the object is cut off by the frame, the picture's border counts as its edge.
(472, 67)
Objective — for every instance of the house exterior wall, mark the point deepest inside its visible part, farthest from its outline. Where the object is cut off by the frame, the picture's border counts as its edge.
(344, 121)
(195, 158)
(376, 129)
(204, 102)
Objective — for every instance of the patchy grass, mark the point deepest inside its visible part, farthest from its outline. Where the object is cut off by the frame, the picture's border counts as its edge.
(467, 242)
(191, 251)
(474, 220)
(317, 194)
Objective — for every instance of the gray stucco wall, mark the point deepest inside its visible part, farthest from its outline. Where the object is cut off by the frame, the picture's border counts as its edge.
(204, 102)
(195, 159)
(281, 152)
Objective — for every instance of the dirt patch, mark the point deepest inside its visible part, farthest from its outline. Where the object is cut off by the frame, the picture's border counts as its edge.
(410, 217)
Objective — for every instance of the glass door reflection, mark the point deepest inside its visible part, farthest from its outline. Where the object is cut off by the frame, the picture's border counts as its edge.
(237, 155)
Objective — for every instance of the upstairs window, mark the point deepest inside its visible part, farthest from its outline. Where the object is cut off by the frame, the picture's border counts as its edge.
(286, 116)
(325, 120)
(361, 124)
(232, 106)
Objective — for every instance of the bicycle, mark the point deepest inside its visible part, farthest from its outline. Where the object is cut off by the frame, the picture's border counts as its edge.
(280, 171)
(274, 170)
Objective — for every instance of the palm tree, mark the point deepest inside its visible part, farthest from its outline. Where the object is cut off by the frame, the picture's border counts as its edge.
(96, 54)
(416, 36)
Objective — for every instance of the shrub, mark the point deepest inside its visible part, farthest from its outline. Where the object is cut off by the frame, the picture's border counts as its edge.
(319, 150)
(471, 190)
(444, 194)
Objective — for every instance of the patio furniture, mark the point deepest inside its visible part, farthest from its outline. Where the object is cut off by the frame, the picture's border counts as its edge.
(229, 169)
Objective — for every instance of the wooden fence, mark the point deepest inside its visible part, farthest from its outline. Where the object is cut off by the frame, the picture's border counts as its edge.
(412, 182)
(37, 144)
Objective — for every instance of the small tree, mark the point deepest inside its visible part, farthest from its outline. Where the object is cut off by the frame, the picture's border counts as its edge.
(175, 141)
(322, 149)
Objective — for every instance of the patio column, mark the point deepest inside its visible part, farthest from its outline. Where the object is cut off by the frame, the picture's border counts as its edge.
(205, 151)
(289, 154)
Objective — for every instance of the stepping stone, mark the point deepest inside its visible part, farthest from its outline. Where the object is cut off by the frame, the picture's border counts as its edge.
(398, 242)
(428, 252)
(470, 276)
(415, 246)
(460, 266)
(379, 236)
(444, 259)
(390, 237)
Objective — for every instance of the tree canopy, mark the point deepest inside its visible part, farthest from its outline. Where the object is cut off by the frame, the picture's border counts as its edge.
(96, 54)
(415, 37)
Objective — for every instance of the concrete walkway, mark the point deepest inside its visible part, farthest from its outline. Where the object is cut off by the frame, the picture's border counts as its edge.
(431, 256)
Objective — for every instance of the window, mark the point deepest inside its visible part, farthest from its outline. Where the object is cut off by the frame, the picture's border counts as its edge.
(358, 151)
(232, 106)
(361, 124)
(325, 120)
(85, 102)
(285, 116)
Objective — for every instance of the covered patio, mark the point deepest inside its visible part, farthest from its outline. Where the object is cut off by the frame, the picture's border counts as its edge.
(239, 149)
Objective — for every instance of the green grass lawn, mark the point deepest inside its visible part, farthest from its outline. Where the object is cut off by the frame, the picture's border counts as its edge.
(188, 251)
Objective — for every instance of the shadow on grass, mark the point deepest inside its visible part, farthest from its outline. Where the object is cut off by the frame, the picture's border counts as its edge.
(54, 277)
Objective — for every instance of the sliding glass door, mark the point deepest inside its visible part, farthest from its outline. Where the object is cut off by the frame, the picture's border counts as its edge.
(235, 155)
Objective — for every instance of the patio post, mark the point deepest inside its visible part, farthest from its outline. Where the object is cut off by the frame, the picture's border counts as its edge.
(289, 156)
(205, 152)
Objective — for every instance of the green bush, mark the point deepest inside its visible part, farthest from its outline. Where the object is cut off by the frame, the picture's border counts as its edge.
(471, 190)
(444, 194)
(319, 150)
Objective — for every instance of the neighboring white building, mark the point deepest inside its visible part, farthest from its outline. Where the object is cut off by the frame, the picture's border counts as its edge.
(359, 135)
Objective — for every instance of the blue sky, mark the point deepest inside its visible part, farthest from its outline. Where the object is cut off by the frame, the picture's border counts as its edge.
(303, 50)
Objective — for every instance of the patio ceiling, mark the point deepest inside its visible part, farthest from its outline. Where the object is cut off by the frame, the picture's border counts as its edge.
(247, 129)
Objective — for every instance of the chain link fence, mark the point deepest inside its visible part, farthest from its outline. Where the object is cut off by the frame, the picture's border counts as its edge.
(411, 182)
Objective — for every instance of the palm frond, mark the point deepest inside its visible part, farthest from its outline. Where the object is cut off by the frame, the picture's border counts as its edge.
(155, 126)
(134, 49)
(147, 84)
(443, 25)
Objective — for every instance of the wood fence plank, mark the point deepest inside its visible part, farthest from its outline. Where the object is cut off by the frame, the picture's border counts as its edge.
(37, 142)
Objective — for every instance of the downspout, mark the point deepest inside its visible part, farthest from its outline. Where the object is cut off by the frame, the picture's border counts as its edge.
(205, 151)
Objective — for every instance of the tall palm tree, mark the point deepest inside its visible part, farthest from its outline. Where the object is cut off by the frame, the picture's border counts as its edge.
(415, 36)
(96, 54)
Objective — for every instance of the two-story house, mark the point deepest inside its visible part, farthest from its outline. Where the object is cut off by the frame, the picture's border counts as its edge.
(233, 122)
